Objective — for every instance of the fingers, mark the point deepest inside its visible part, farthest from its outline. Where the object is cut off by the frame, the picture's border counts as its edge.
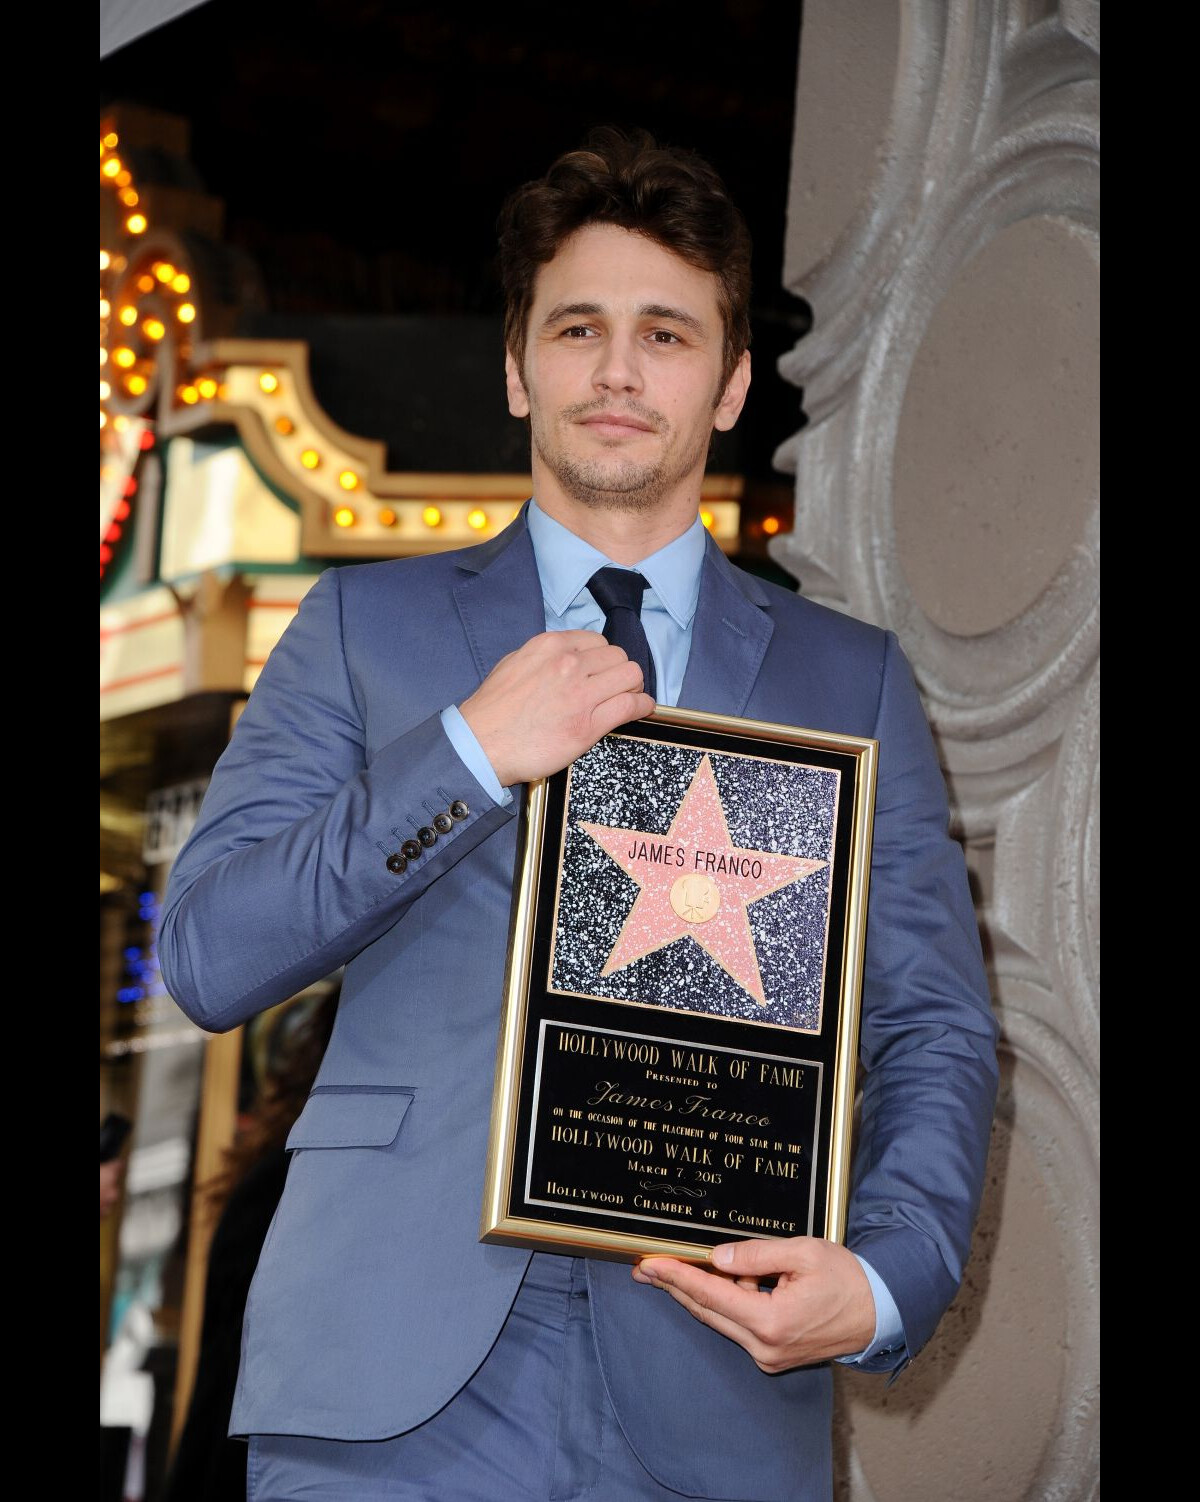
(722, 1305)
(716, 1295)
(549, 701)
(623, 706)
(759, 1258)
(821, 1305)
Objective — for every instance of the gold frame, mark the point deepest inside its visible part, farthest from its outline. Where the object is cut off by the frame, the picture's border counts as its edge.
(496, 1223)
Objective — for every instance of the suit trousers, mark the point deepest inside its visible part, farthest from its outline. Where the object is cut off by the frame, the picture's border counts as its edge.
(534, 1424)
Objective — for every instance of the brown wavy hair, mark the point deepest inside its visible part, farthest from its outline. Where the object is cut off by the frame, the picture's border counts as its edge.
(626, 179)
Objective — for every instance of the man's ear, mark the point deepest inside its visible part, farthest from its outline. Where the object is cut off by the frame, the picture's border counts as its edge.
(518, 402)
(734, 397)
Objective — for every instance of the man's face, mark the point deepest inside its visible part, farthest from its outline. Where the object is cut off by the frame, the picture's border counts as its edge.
(622, 372)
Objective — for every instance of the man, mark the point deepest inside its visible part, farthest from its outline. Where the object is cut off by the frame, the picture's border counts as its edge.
(364, 814)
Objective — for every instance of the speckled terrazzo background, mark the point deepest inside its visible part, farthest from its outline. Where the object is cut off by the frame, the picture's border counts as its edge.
(770, 806)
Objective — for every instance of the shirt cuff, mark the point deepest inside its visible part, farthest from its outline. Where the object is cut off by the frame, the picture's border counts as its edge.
(472, 755)
(889, 1339)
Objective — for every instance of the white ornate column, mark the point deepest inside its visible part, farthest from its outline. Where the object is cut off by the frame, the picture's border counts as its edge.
(943, 225)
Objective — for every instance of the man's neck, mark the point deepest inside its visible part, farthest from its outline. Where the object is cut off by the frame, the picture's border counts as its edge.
(626, 537)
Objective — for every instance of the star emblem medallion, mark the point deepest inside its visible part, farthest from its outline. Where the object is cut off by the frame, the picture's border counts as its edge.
(694, 882)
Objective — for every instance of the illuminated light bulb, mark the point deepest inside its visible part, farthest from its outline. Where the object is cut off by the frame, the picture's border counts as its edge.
(154, 328)
(114, 533)
(145, 282)
(123, 178)
(103, 355)
(146, 441)
(477, 519)
(105, 307)
(770, 525)
(121, 511)
(130, 487)
(120, 422)
(105, 391)
(207, 388)
(164, 271)
(136, 224)
(189, 394)
(181, 281)
(110, 140)
(112, 166)
(348, 480)
(124, 357)
(310, 458)
(129, 197)
(128, 315)
(136, 384)
(105, 553)
(431, 516)
(104, 419)
(285, 426)
(268, 382)
(186, 313)
(344, 517)
(105, 260)
(387, 517)
(708, 519)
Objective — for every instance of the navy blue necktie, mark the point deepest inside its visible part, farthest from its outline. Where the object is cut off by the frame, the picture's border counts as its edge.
(618, 592)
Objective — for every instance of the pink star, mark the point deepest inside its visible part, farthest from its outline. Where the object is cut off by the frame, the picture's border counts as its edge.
(695, 881)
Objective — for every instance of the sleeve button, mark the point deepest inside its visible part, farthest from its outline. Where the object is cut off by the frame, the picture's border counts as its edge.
(443, 823)
(426, 836)
(411, 850)
(397, 863)
(458, 809)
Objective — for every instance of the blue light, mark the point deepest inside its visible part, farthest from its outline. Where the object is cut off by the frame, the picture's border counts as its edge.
(133, 953)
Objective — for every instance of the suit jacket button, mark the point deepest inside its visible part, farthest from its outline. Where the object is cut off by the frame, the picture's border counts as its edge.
(458, 809)
(426, 836)
(443, 823)
(411, 850)
(396, 864)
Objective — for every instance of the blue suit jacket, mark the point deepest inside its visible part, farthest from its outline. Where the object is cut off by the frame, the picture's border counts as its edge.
(374, 1300)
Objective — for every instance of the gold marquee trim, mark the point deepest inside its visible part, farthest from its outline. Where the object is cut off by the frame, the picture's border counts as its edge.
(264, 390)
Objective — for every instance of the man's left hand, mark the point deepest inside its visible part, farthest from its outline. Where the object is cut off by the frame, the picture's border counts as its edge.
(821, 1306)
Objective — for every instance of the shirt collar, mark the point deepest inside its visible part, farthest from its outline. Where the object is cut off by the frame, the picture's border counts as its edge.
(565, 563)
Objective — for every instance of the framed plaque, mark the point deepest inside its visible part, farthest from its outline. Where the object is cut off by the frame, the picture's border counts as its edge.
(677, 1047)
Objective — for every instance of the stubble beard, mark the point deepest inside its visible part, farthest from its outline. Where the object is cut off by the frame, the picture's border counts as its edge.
(616, 483)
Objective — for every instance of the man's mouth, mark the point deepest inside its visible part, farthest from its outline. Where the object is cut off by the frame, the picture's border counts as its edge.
(616, 424)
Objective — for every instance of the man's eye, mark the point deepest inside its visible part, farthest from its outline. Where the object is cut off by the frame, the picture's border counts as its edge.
(664, 336)
(577, 331)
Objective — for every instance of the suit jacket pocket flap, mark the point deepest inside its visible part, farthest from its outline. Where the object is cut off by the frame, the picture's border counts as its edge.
(350, 1118)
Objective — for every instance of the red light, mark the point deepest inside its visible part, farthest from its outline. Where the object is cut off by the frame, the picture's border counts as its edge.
(147, 439)
(130, 487)
(105, 553)
(113, 534)
(121, 511)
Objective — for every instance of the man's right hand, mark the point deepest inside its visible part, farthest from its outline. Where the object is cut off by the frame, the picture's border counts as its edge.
(551, 700)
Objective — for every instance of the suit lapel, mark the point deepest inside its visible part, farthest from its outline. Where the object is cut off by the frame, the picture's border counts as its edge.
(499, 600)
(729, 637)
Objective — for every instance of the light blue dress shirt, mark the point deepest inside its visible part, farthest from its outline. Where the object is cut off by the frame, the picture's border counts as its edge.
(565, 563)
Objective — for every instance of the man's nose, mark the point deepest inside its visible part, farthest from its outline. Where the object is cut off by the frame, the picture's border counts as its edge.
(618, 365)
